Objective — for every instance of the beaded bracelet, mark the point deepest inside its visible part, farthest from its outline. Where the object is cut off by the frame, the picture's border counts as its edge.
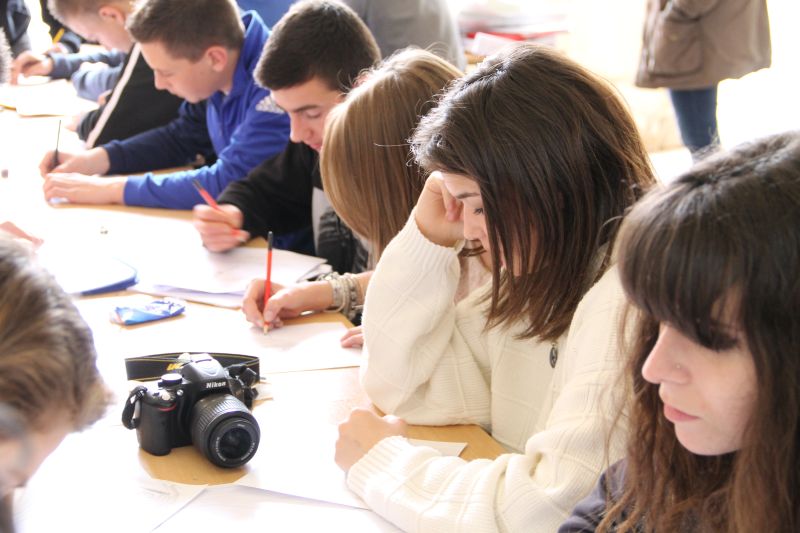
(347, 295)
(338, 302)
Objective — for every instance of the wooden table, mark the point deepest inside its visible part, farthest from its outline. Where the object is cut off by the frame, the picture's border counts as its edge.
(302, 402)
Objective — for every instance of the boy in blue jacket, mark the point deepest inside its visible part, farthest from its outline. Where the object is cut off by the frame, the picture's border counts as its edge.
(201, 51)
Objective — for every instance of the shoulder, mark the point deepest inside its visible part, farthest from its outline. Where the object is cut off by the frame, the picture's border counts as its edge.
(592, 343)
(605, 296)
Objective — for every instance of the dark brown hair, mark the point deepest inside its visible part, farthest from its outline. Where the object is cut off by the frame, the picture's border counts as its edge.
(187, 28)
(557, 159)
(727, 231)
(317, 38)
(365, 164)
(47, 355)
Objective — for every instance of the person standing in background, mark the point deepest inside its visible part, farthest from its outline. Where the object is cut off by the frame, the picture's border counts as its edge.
(428, 24)
(689, 46)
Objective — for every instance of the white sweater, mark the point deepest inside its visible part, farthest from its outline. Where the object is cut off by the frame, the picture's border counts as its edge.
(431, 362)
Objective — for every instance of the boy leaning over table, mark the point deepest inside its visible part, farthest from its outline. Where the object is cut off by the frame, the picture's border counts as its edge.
(202, 51)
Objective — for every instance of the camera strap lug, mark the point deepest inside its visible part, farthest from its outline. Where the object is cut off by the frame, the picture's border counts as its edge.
(130, 413)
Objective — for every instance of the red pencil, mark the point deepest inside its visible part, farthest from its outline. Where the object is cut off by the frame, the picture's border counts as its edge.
(206, 196)
(209, 199)
(268, 281)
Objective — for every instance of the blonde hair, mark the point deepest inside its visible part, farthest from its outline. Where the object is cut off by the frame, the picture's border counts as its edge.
(367, 169)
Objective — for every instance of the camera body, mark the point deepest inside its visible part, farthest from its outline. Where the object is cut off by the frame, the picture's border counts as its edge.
(205, 405)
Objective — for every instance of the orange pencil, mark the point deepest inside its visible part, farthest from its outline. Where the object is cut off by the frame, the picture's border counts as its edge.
(205, 194)
(209, 199)
(268, 281)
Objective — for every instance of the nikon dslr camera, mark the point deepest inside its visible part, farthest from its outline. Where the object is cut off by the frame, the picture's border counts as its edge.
(205, 405)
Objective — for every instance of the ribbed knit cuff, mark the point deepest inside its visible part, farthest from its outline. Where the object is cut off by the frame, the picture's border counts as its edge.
(416, 247)
(376, 466)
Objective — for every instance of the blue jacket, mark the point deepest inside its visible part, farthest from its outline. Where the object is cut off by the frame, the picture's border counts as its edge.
(233, 126)
(89, 83)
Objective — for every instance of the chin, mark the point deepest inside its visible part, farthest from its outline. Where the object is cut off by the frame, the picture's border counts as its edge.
(705, 446)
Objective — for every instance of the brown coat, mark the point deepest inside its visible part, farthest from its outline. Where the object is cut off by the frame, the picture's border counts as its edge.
(691, 44)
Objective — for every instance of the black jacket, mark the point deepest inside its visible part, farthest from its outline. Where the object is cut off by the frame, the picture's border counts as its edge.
(134, 106)
(278, 194)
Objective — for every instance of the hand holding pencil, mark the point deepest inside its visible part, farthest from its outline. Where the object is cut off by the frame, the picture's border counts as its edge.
(219, 225)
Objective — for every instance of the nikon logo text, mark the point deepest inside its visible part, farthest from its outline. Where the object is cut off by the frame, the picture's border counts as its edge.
(215, 384)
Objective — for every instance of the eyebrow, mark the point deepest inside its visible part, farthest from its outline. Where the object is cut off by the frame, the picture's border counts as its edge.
(464, 195)
(303, 108)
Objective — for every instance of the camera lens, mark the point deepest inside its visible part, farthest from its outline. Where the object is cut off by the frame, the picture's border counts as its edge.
(224, 430)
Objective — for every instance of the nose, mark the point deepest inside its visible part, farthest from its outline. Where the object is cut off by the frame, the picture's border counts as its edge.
(159, 82)
(663, 361)
(474, 228)
(297, 130)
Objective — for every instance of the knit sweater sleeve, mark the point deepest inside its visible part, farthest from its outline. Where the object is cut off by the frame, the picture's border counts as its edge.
(421, 364)
(419, 490)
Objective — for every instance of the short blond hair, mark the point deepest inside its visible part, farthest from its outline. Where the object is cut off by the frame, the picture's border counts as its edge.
(70, 8)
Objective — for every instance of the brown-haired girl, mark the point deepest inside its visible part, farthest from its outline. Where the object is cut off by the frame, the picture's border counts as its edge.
(367, 175)
(538, 160)
(711, 264)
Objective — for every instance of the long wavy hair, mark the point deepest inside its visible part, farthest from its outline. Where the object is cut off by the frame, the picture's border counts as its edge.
(558, 161)
(727, 231)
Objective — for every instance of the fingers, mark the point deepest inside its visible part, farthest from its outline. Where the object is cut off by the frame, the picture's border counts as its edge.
(282, 303)
(30, 64)
(252, 301)
(54, 187)
(46, 164)
(362, 430)
(216, 229)
(353, 338)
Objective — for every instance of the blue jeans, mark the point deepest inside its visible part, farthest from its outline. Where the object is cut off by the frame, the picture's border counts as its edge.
(696, 111)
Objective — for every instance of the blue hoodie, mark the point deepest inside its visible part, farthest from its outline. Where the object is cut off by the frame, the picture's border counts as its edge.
(234, 126)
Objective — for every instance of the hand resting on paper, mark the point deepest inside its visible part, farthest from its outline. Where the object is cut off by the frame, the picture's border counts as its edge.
(80, 189)
(291, 301)
(362, 430)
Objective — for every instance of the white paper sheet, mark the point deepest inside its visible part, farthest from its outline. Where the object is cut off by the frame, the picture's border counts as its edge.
(38, 96)
(311, 346)
(68, 495)
(197, 269)
(450, 449)
(307, 469)
(237, 508)
(303, 468)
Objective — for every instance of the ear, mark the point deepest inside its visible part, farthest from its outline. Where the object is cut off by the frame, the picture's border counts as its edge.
(112, 13)
(218, 57)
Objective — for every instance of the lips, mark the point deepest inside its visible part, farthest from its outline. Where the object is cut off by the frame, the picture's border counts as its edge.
(676, 415)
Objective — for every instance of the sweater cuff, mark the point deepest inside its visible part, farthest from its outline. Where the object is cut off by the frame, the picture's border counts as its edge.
(418, 250)
(116, 157)
(60, 65)
(374, 472)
